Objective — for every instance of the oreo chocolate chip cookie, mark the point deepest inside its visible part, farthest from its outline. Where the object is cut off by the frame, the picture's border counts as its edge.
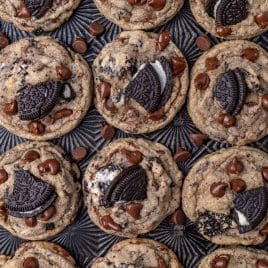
(121, 189)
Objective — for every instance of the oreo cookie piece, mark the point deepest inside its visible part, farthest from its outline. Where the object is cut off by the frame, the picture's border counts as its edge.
(67, 92)
(30, 197)
(35, 102)
(210, 6)
(129, 185)
(38, 8)
(231, 12)
(250, 208)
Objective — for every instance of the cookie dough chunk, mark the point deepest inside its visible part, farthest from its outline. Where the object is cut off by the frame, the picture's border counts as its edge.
(141, 81)
(131, 186)
(138, 253)
(30, 15)
(237, 19)
(45, 89)
(39, 192)
(139, 15)
(235, 258)
(226, 194)
(228, 97)
(39, 255)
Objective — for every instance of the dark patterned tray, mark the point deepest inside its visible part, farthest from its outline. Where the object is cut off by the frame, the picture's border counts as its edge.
(83, 239)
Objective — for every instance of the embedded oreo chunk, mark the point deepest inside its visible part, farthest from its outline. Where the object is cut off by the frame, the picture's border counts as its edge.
(250, 208)
(30, 197)
(231, 12)
(67, 92)
(35, 102)
(129, 185)
(38, 8)
(210, 6)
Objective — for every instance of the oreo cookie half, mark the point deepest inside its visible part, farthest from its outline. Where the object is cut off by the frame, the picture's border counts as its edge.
(35, 102)
(38, 8)
(30, 197)
(210, 6)
(250, 208)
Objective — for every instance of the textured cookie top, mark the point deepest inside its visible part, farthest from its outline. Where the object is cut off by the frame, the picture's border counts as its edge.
(226, 194)
(45, 89)
(235, 258)
(139, 14)
(236, 19)
(39, 255)
(141, 80)
(39, 195)
(228, 97)
(30, 15)
(131, 186)
(138, 253)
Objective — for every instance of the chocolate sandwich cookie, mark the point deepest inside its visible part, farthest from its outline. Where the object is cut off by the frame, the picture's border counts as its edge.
(235, 257)
(45, 89)
(39, 255)
(30, 15)
(228, 97)
(226, 195)
(236, 19)
(138, 253)
(141, 81)
(139, 14)
(131, 186)
(39, 192)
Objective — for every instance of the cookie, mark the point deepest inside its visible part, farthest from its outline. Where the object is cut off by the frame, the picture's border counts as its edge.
(31, 15)
(39, 192)
(226, 195)
(238, 19)
(228, 96)
(131, 186)
(139, 15)
(138, 253)
(235, 257)
(39, 255)
(141, 81)
(45, 89)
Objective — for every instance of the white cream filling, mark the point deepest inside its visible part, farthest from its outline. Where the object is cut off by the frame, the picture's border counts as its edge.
(242, 219)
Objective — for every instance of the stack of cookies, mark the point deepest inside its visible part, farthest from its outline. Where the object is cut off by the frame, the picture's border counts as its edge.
(139, 82)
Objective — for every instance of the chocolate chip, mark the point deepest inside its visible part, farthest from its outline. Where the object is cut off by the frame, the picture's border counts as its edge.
(109, 106)
(265, 102)
(202, 81)
(31, 222)
(3, 176)
(203, 42)
(262, 20)
(134, 210)
(238, 185)
(161, 263)
(220, 261)
(178, 65)
(235, 166)
(264, 230)
(178, 217)
(250, 53)
(157, 116)
(157, 5)
(262, 263)
(36, 127)
(51, 166)
(226, 120)
(2, 208)
(223, 31)
(11, 108)
(104, 90)
(182, 155)
(96, 28)
(198, 139)
(61, 114)
(23, 12)
(108, 223)
(134, 157)
(264, 172)
(30, 262)
(3, 41)
(212, 63)
(218, 189)
(107, 131)
(79, 153)
(30, 156)
(79, 45)
(48, 214)
(163, 40)
(64, 73)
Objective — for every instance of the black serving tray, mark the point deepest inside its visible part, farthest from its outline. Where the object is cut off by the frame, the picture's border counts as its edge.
(83, 239)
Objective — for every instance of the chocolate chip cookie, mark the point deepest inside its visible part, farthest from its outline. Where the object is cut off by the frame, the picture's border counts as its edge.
(39, 192)
(141, 81)
(39, 255)
(226, 194)
(45, 89)
(30, 15)
(236, 19)
(228, 97)
(233, 257)
(138, 253)
(139, 14)
(131, 186)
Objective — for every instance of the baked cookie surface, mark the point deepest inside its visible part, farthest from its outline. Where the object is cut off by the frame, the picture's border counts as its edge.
(45, 89)
(237, 19)
(39, 255)
(226, 194)
(39, 192)
(30, 15)
(131, 186)
(235, 258)
(228, 97)
(138, 253)
(139, 15)
(141, 81)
